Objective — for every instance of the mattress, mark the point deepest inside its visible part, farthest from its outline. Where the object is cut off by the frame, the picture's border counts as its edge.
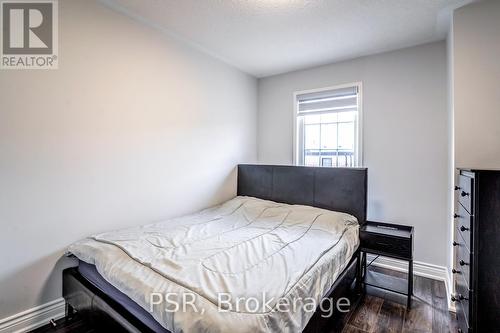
(90, 273)
(229, 268)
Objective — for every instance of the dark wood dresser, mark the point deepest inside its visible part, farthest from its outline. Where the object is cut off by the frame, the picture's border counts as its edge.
(476, 271)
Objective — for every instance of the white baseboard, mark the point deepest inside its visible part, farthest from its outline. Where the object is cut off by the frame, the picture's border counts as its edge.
(430, 271)
(33, 318)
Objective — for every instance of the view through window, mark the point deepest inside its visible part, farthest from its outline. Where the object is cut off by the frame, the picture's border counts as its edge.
(328, 127)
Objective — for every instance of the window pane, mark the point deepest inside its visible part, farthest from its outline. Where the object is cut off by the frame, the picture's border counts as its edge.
(346, 116)
(346, 136)
(329, 136)
(345, 159)
(312, 119)
(327, 161)
(329, 117)
(311, 159)
(311, 136)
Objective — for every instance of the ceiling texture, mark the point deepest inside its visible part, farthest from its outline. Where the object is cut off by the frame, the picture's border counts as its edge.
(267, 37)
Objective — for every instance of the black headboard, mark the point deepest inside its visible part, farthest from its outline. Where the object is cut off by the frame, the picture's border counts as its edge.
(338, 189)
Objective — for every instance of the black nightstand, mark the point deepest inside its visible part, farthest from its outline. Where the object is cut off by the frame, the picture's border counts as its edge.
(387, 240)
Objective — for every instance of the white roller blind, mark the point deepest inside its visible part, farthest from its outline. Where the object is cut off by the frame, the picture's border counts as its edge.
(338, 100)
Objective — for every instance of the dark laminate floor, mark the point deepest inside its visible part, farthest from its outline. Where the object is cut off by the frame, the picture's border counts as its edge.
(382, 311)
(378, 312)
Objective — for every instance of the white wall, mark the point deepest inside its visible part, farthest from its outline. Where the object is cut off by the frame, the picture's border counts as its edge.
(405, 135)
(133, 127)
(476, 68)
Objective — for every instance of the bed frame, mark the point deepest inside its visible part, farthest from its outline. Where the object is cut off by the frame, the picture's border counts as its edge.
(338, 189)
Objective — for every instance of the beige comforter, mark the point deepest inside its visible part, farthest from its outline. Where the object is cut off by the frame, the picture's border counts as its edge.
(215, 261)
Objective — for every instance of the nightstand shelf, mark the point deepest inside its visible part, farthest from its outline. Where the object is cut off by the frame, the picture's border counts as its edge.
(386, 282)
(387, 240)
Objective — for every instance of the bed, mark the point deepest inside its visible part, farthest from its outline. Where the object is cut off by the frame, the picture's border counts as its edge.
(290, 234)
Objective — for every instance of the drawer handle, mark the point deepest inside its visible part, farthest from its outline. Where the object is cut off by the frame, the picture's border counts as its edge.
(459, 298)
(462, 228)
(462, 263)
(457, 188)
(454, 271)
(456, 244)
(464, 194)
(456, 216)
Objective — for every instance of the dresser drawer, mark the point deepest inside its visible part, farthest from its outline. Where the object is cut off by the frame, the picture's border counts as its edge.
(462, 296)
(465, 194)
(463, 259)
(464, 225)
(385, 245)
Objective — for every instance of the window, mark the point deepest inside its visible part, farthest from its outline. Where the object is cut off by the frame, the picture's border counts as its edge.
(328, 127)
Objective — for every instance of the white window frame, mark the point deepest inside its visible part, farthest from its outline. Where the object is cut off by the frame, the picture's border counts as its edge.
(359, 143)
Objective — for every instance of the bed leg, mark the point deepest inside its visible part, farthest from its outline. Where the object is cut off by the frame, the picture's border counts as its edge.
(69, 311)
(359, 274)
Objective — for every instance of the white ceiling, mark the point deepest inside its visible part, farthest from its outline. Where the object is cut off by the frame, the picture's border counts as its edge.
(266, 37)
